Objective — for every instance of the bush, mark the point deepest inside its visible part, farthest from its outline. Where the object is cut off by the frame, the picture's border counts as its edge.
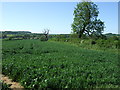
(102, 43)
(114, 38)
(5, 86)
(93, 42)
(10, 38)
(74, 36)
(109, 43)
(43, 38)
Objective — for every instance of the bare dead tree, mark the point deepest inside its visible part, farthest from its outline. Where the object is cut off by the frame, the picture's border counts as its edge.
(46, 33)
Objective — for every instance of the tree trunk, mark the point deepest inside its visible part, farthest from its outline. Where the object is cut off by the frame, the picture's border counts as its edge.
(81, 33)
(46, 36)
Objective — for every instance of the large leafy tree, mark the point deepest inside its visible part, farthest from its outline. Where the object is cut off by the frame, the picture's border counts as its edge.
(85, 20)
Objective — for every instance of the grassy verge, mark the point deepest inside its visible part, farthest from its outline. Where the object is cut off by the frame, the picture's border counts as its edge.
(108, 45)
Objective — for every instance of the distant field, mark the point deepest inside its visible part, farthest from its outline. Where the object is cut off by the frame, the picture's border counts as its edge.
(37, 64)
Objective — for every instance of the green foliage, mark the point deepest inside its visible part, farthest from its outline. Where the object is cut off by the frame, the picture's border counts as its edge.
(37, 64)
(16, 32)
(5, 86)
(97, 43)
(114, 38)
(26, 36)
(43, 38)
(110, 43)
(73, 35)
(10, 38)
(93, 42)
(85, 20)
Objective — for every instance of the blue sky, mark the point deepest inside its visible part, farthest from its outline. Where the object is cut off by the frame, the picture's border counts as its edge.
(56, 16)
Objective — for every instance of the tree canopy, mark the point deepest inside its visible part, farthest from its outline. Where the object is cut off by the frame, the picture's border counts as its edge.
(85, 20)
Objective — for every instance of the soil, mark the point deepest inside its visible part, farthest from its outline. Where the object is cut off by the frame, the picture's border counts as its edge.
(13, 85)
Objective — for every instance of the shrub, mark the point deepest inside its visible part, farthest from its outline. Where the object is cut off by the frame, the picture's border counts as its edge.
(74, 36)
(43, 38)
(10, 38)
(114, 38)
(5, 86)
(93, 42)
(101, 43)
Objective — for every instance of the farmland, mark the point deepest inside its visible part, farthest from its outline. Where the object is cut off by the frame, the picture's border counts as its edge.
(36, 64)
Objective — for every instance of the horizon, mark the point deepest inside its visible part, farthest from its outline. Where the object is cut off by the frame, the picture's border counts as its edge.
(53, 33)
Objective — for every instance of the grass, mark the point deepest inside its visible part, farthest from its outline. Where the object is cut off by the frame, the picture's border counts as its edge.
(37, 64)
(4, 86)
(109, 45)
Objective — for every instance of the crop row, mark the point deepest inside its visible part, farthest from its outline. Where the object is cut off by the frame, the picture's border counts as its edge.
(37, 64)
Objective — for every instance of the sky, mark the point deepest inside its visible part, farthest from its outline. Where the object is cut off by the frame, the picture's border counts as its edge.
(119, 17)
(55, 16)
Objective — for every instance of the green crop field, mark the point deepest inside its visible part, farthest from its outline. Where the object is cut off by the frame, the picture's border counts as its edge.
(37, 64)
